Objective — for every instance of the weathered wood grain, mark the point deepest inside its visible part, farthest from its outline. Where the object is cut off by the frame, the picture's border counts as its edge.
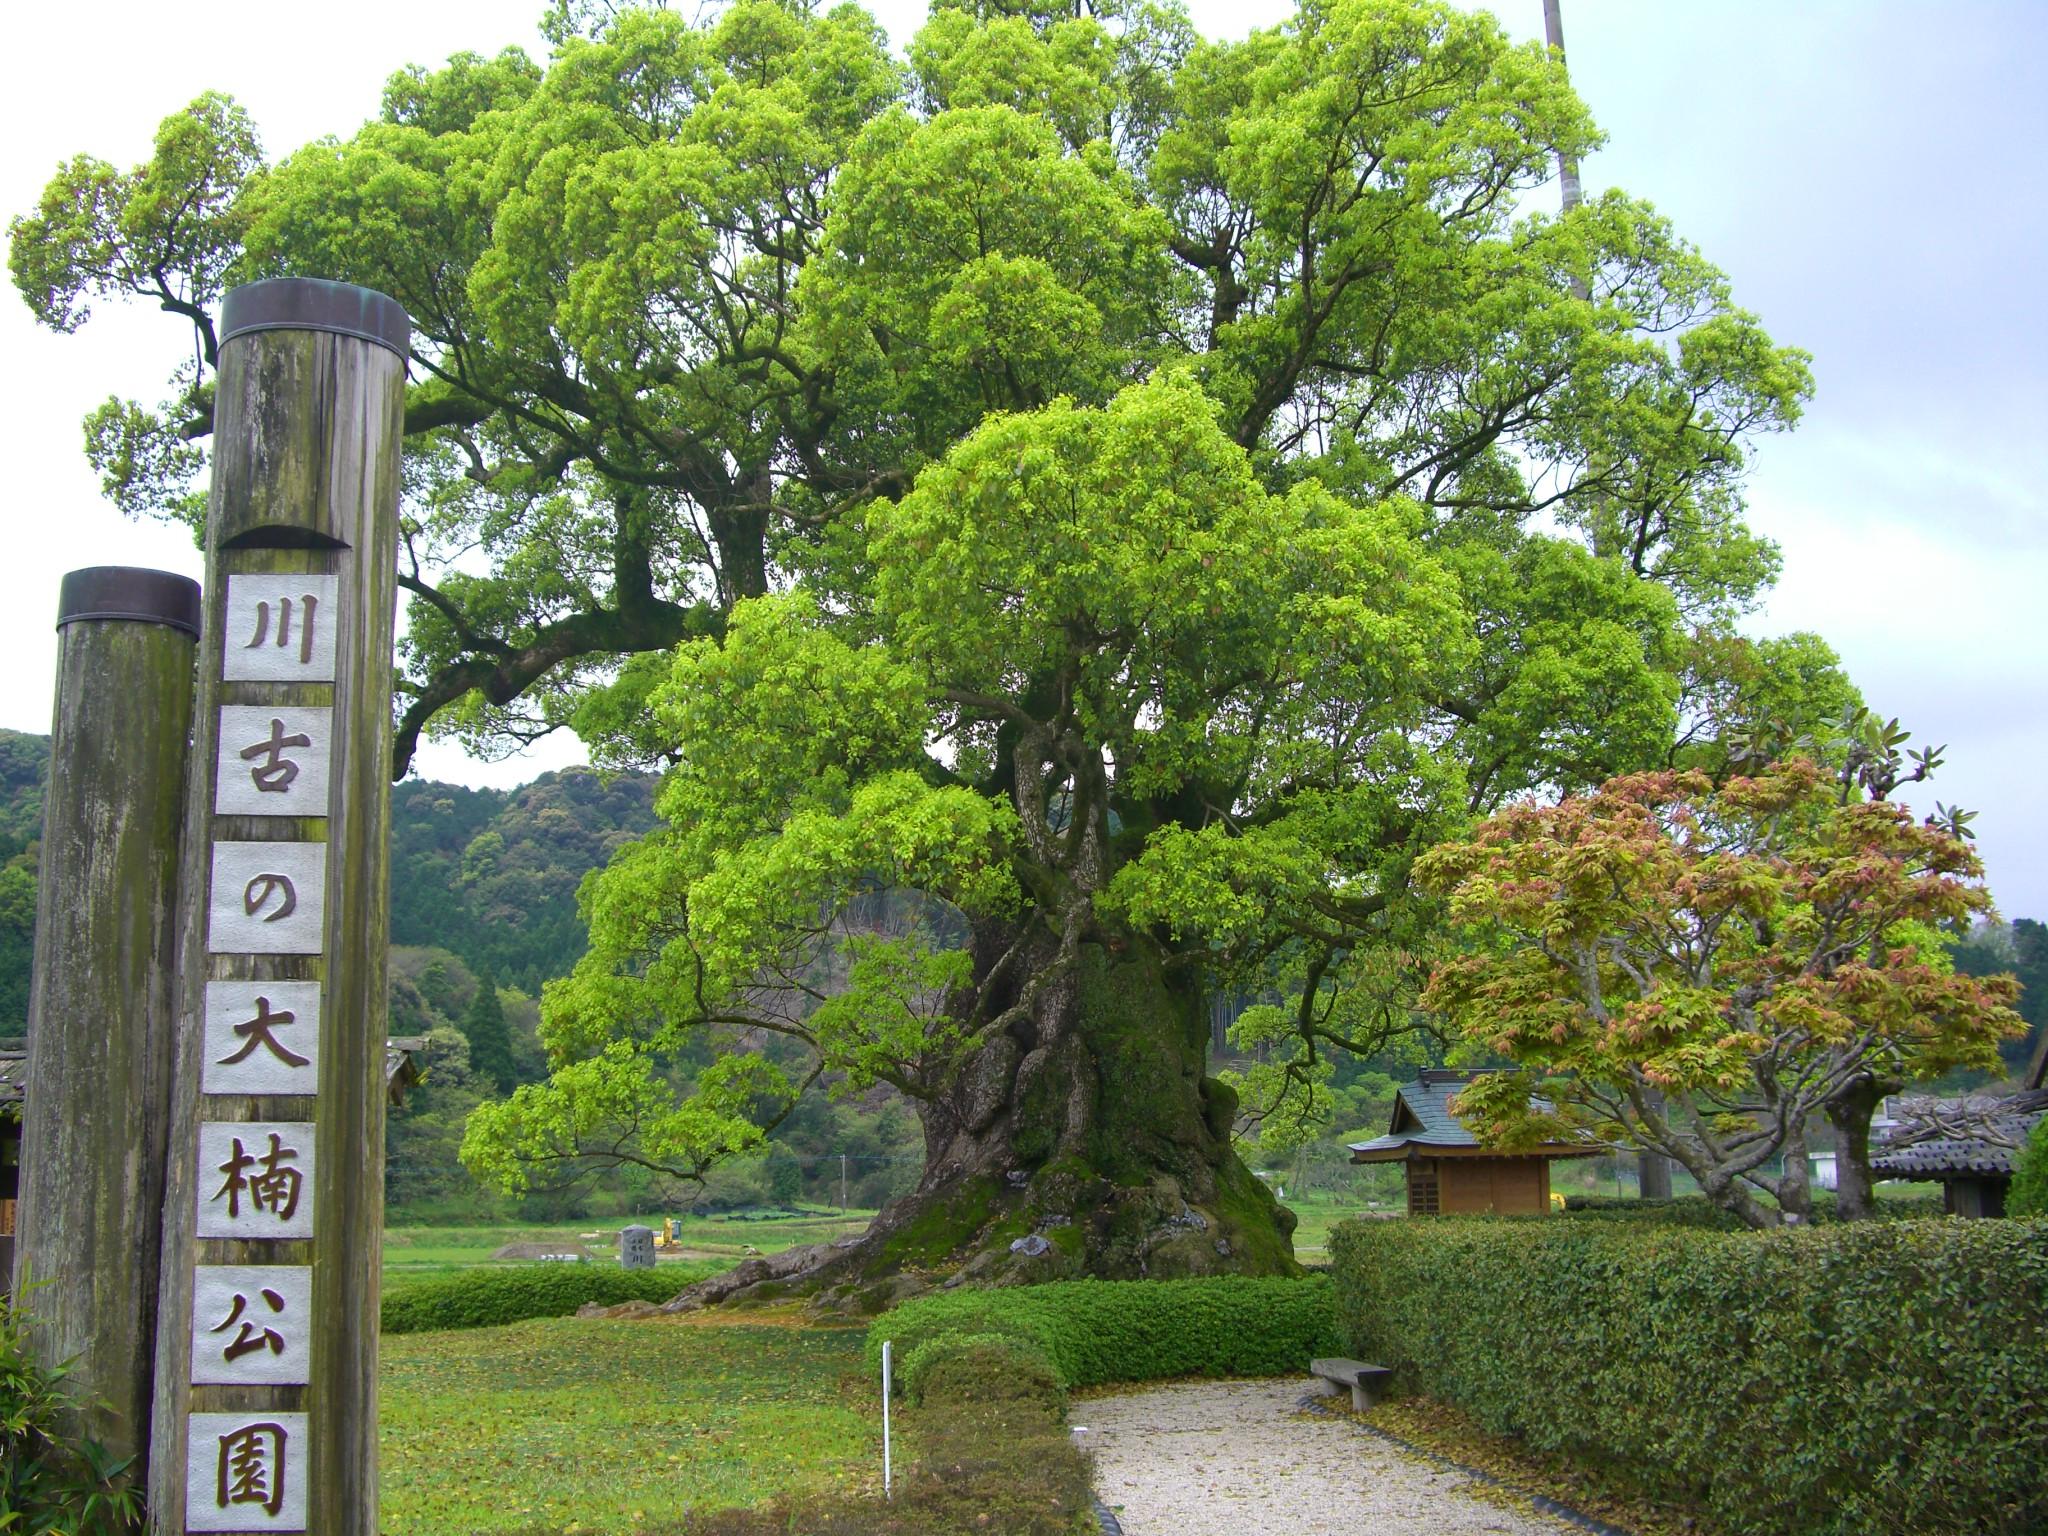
(95, 1111)
(306, 480)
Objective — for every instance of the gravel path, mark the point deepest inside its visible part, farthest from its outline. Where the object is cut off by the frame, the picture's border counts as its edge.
(1239, 1458)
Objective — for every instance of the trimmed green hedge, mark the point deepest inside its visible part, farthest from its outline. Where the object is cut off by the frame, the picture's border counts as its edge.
(1684, 1211)
(982, 1368)
(1698, 1211)
(1881, 1376)
(487, 1297)
(1096, 1331)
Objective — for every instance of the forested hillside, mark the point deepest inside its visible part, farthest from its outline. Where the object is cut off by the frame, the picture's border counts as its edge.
(483, 885)
(491, 875)
(2022, 949)
(488, 875)
(24, 760)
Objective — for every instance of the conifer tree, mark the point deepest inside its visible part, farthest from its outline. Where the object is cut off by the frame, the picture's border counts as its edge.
(490, 1040)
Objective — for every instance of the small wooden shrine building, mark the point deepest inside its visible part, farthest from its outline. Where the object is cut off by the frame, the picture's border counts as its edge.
(1449, 1172)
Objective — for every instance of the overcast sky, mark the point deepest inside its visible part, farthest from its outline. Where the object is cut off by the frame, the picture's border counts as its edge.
(1869, 174)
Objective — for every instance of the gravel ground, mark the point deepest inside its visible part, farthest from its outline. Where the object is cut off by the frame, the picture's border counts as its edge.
(1239, 1458)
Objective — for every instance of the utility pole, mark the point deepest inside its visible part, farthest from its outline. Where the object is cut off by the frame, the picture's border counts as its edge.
(1653, 1169)
(1567, 168)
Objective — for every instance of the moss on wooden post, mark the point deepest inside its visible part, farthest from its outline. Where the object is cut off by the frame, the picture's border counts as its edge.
(97, 1094)
(307, 425)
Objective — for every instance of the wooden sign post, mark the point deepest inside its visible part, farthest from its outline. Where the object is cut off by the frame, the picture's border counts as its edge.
(94, 1116)
(266, 1367)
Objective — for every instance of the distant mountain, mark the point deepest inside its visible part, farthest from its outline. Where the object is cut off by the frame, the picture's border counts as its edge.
(24, 763)
(491, 875)
(488, 875)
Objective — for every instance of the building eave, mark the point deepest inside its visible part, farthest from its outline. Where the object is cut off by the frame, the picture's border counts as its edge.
(1408, 1151)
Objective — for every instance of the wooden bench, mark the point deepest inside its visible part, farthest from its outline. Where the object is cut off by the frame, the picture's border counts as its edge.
(1363, 1380)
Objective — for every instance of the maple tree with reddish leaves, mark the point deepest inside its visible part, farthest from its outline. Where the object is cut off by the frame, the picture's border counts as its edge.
(1702, 970)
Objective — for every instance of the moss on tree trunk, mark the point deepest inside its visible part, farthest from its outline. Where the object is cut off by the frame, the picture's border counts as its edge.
(1093, 1146)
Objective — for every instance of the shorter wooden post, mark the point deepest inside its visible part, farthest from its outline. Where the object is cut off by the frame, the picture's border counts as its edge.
(96, 1099)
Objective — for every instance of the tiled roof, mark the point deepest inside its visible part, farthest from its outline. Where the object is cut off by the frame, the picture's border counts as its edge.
(1422, 1115)
(1931, 1159)
(13, 1072)
(1423, 1118)
(401, 1055)
(1955, 1156)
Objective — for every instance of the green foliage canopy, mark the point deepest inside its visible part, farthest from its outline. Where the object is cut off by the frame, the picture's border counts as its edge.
(490, 1041)
(1110, 481)
(2029, 1193)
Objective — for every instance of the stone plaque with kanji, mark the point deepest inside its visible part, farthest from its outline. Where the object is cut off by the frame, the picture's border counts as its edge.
(268, 899)
(280, 629)
(256, 1179)
(273, 760)
(245, 1472)
(261, 1037)
(251, 1323)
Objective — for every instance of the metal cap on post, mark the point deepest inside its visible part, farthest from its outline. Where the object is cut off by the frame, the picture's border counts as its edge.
(315, 304)
(96, 1104)
(134, 593)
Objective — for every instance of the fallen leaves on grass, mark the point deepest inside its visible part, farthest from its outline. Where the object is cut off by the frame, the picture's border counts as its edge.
(1601, 1492)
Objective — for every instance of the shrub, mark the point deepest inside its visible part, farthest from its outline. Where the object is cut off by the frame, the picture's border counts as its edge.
(2029, 1193)
(1697, 1211)
(487, 1297)
(50, 1478)
(1862, 1377)
(1096, 1331)
(982, 1368)
(1683, 1211)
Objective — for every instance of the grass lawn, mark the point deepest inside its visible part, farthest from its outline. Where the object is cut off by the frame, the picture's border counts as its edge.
(1319, 1213)
(599, 1426)
(413, 1253)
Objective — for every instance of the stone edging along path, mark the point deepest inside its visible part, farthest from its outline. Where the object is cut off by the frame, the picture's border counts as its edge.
(1254, 1458)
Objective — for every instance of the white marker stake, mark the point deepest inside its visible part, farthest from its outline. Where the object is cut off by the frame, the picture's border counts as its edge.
(885, 1419)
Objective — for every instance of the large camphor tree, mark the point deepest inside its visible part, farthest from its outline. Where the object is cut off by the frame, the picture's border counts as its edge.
(1077, 512)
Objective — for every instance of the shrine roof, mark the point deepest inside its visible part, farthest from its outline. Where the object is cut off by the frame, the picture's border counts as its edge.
(1916, 1147)
(1423, 1122)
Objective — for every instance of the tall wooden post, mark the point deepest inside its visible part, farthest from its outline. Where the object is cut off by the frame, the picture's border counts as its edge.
(266, 1402)
(99, 1037)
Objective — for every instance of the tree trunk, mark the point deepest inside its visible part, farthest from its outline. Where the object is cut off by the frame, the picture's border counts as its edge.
(1653, 1176)
(1849, 1112)
(1794, 1187)
(1085, 1142)
(1653, 1168)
